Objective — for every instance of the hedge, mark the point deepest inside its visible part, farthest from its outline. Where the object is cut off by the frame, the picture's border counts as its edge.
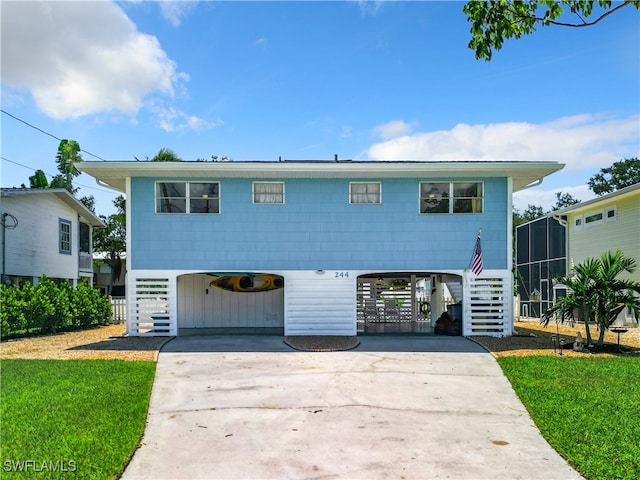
(48, 307)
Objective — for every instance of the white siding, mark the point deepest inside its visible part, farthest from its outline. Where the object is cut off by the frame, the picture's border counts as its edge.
(32, 247)
(621, 234)
(203, 306)
(320, 303)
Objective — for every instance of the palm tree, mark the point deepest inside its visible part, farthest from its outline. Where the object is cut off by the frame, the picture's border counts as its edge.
(576, 306)
(66, 158)
(596, 294)
(166, 155)
(613, 294)
(38, 180)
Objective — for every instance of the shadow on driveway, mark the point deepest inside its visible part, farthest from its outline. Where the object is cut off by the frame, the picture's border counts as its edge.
(275, 343)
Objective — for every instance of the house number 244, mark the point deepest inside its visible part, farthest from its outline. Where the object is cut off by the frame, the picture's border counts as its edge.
(341, 275)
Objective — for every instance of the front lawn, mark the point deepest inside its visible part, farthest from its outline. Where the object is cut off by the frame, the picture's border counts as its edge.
(587, 409)
(71, 418)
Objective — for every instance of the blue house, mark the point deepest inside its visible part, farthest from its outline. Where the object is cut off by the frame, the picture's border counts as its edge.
(318, 247)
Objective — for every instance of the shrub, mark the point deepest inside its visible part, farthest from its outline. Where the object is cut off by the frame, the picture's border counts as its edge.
(48, 307)
(12, 306)
(90, 307)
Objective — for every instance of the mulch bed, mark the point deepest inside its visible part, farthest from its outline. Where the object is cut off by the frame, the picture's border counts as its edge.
(321, 343)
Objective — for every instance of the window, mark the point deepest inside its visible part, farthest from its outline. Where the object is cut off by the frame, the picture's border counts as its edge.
(578, 222)
(451, 197)
(593, 219)
(268, 192)
(610, 214)
(365, 192)
(64, 236)
(187, 197)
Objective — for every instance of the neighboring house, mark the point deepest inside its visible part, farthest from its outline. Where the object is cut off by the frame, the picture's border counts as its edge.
(541, 256)
(316, 247)
(46, 231)
(607, 223)
(102, 276)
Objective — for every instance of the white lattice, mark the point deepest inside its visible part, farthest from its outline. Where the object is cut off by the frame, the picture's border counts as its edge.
(152, 306)
(488, 304)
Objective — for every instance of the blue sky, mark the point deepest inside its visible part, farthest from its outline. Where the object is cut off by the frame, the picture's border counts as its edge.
(307, 80)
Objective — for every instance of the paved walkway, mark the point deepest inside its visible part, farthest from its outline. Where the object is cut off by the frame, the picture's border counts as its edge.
(421, 407)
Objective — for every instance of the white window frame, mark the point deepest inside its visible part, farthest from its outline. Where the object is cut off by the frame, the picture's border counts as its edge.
(378, 193)
(187, 197)
(65, 238)
(592, 214)
(254, 195)
(613, 217)
(451, 198)
(578, 222)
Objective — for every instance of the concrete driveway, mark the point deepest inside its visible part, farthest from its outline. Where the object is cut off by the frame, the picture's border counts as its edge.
(421, 407)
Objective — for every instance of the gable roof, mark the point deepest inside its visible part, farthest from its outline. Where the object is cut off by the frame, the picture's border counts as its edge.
(524, 174)
(86, 215)
(622, 193)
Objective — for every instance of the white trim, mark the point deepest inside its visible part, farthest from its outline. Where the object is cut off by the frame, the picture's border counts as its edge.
(253, 193)
(610, 218)
(509, 232)
(187, 197)
(578, 222)
(591, 215)
(451, 197)
(523, 173)
(379, 202)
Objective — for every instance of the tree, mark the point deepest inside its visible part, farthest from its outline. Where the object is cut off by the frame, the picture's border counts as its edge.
(620, 175)
(166, 155)
(596, 294)
(496, 20)
(564, 200)
(67, 157)
(38, 180)
(111, 240)
(89, 201)
(531, 213)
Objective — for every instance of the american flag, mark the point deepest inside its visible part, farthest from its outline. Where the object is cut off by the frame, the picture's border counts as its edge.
(476, 262)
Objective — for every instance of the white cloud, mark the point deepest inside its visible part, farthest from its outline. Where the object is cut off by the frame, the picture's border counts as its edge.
(171, 119)
(547, 198)
(393, 129)
(83, 58)
(580, 141)
(175, 11)
(260, 42)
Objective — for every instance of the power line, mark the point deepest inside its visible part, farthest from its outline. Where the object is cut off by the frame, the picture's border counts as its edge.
(51, 175)
(46, 133)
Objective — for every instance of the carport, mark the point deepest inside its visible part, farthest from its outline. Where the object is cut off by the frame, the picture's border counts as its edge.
(230, 302)
(407, 302)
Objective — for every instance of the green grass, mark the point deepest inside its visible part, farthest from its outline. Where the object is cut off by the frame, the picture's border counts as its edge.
(71, 418)
(587, 409)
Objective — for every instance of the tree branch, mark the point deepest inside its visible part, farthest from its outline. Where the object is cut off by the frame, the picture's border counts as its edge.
(576, 25)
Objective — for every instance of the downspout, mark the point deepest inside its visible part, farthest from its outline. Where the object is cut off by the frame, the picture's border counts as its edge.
(4, 257)
(78, 256)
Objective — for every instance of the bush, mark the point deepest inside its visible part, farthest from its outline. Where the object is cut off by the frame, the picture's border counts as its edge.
(48, 307)
(12, 308)
(90, 307)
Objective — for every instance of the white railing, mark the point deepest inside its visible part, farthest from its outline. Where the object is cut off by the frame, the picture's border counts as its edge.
(119, 307)
(85, 262)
